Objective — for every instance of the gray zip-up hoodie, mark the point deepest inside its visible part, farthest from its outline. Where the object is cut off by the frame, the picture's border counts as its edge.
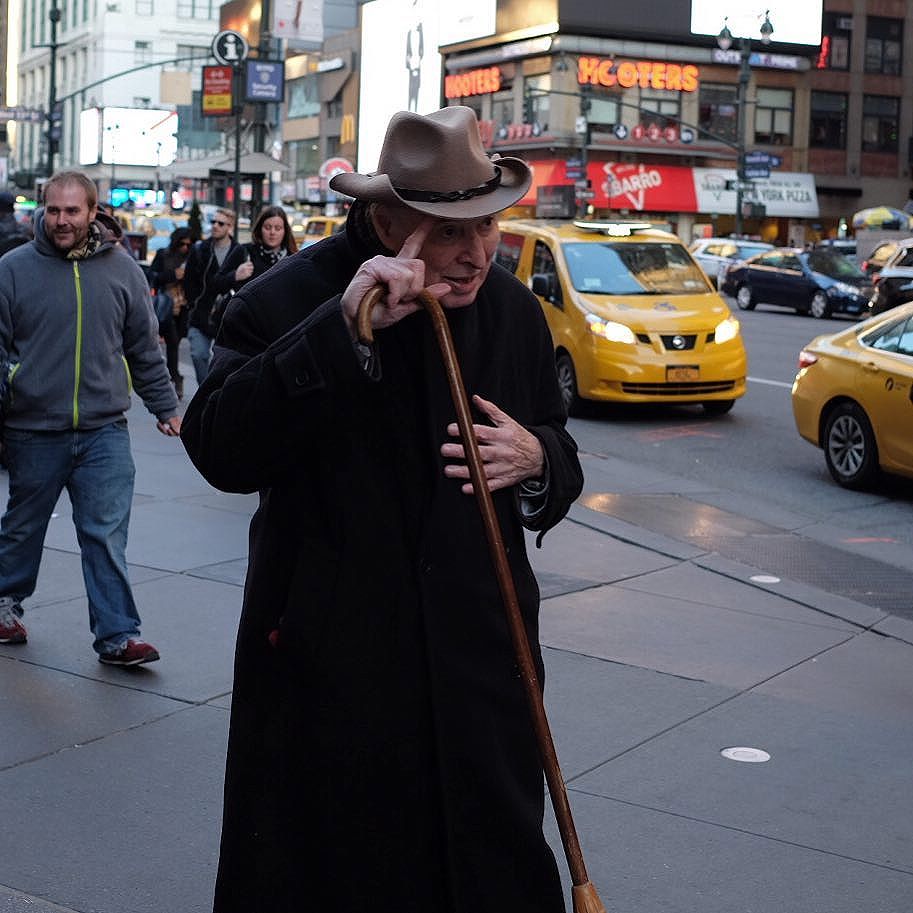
(78, 335)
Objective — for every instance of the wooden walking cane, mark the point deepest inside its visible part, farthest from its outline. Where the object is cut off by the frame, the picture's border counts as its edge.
(584, 896)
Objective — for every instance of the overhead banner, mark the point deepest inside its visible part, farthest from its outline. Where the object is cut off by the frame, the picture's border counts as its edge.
(671, 188)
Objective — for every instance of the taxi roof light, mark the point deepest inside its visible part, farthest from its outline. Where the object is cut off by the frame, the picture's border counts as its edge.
(613, 229)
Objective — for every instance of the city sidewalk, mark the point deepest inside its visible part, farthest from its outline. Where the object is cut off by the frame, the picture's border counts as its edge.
(659, 657)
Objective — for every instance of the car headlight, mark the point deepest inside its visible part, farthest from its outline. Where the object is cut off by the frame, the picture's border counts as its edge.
(842, 288)
(610, 330)
(726, 330)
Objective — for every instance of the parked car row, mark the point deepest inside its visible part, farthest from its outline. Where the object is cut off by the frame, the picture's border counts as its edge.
(634, 319)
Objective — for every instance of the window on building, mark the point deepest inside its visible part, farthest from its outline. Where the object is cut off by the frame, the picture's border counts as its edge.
(332, 146)
(142, 52)
(883, 42)
(196, 9)
(773, 123)
(334, 107)
(144, 8)
(880, 114)
(502, 106)
(189, 52)
(605, 111)
(718, 112)
(828, 120)
(836, 32)
(303, 97)
(655, 104)
(541, 87)
(85, 10)
(42, 19)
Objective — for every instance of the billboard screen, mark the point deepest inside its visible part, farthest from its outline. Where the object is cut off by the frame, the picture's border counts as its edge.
(127, 136)
(401, 63)
(794, 23)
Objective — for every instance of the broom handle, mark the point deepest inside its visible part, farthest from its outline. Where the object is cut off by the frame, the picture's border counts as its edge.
(524, 656)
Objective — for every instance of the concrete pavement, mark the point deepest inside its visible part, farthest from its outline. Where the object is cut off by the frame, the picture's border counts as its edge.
(660, 654)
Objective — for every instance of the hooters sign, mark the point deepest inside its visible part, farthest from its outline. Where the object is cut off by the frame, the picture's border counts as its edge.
(645, 74)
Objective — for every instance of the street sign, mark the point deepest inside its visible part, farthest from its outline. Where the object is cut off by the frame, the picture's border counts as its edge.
(756, 171)
(216, 96)
(265, 81)
(756, 157)
(572, 174)
(230, 48)
(744, 186)
(573, 163)
(582, 185)
(586, 194)
(620, 131)
(686, 135)
(580, 125)
(19, 113)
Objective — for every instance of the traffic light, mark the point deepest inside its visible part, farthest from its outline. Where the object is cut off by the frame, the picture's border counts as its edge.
(528, 114)
(585, 101)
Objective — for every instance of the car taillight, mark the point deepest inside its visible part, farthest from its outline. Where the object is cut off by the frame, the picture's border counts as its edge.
(806, 359)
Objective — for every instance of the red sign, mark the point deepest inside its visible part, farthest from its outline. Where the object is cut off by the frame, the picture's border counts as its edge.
(217, 82)
(473, 82)
(646, 74)
(636, 187)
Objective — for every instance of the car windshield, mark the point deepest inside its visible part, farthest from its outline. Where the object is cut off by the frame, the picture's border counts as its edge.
(834, 265)
(750, 250)
(631, 268)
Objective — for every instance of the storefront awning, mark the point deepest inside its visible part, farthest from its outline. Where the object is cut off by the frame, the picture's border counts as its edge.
(673, 189)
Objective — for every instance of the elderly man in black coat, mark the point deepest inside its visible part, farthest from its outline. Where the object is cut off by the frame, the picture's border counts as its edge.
(381, 755)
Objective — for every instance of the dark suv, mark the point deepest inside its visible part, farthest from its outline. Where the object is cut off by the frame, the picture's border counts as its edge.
(894, 284)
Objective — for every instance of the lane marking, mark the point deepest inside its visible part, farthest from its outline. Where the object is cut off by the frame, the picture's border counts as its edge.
(771, 383)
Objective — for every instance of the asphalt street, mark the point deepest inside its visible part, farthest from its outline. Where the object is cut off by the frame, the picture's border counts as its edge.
(732, 738)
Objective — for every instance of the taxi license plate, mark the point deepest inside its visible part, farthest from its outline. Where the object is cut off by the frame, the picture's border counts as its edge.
(683, 374)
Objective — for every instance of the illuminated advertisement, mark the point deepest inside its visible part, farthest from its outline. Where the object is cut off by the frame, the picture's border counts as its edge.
(794, 23)
(401, 63)
(128, 136)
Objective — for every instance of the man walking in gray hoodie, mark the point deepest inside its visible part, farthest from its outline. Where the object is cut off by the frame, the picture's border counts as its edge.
(77, 335)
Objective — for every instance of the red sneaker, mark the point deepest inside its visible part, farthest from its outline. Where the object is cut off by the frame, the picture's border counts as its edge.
(133, 653)
(12, 630)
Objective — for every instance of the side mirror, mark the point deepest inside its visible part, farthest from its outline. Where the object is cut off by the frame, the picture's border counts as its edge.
(546, 286)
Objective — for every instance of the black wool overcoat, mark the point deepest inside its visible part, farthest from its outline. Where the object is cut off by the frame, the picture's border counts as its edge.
(381, 756)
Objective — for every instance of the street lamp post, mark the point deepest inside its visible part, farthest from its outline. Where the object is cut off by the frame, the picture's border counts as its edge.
(724, 40)
(53, 123)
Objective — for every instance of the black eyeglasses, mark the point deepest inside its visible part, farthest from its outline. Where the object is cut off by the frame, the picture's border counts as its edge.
(218, 222)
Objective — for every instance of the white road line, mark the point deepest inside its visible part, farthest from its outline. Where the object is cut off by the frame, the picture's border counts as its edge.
(772, 383)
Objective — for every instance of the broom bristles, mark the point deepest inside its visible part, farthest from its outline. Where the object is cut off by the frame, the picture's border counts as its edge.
(585, 899)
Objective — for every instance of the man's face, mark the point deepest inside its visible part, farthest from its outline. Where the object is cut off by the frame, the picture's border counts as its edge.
(67, 215)
(221, 227)
(457, 252)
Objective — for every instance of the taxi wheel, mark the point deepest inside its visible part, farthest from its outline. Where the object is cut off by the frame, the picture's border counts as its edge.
(744, 298)
(820, 306)
(718, 406)
(567, 382)
(849, 446)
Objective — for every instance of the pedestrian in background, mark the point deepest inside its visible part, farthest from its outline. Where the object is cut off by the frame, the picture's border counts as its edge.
(12, 232)
(272, 240)
(77, 332)
(381, 754)
(202, 285)
(166, 278)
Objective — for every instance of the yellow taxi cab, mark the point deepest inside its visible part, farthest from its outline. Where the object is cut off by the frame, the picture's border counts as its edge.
(633, 317)
(316, 228)
(852, 397)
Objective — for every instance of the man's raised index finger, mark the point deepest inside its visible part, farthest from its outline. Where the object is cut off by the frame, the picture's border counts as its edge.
(412, 246)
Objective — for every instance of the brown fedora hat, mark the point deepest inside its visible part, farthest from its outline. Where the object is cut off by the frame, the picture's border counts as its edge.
(436, 164)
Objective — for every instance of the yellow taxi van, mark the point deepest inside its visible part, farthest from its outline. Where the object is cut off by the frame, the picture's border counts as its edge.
(633, 317)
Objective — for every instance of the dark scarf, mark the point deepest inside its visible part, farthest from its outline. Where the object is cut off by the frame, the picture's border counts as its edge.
(272, 257)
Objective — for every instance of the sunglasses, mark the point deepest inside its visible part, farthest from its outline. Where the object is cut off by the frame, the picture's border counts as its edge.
(219, 222)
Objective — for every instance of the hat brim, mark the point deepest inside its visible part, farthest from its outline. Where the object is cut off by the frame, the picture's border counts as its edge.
(376, 188)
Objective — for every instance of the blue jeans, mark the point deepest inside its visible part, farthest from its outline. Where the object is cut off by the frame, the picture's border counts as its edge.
(96, 467)
(200, 352)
